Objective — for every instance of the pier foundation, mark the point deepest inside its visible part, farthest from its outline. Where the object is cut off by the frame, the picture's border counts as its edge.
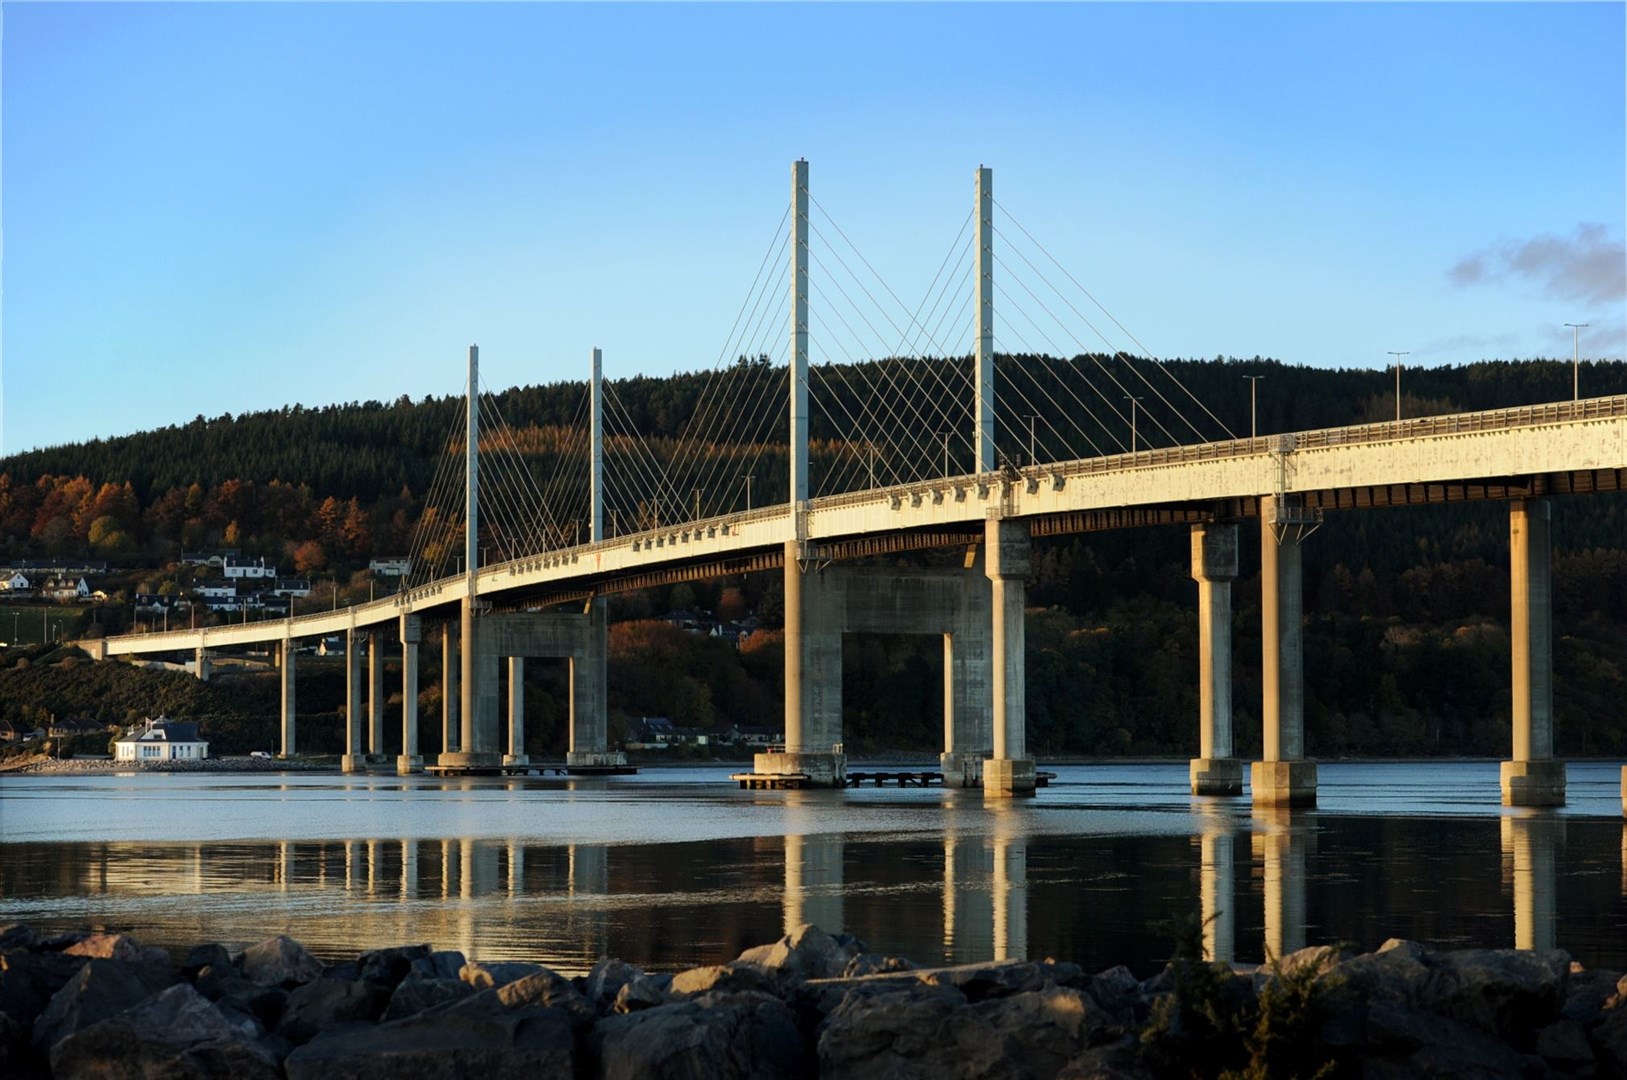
(1284, 777)
(1214, 565)
(1009, 771)
(411, 636)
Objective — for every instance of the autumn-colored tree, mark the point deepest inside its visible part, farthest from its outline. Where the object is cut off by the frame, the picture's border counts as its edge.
(310, 556)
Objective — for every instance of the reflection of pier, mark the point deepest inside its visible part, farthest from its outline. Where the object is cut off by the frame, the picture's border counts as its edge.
(1281, 841)
(1530, 843)
(1217, 888)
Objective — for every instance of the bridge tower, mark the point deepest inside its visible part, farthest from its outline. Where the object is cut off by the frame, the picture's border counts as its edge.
(983, 438)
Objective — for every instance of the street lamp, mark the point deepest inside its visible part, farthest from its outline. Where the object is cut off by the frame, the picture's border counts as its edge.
(1576, 360)
(945, 434)
(1253, 407)
(1132, 399)
(747, 478)
(1033, 459)
(1398, 356)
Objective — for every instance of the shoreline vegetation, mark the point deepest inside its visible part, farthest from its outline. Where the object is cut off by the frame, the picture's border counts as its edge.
(98, 1003)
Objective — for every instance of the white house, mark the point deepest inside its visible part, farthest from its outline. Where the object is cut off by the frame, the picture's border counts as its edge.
(244, 568)
(67, 590)
(16, 582)
(396, 566)
(161, 740)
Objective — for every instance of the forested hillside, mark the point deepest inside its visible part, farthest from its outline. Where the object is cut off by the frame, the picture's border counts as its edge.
(1406, 637)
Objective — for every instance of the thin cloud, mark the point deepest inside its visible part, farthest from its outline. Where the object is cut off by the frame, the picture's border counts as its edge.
(1588, 266)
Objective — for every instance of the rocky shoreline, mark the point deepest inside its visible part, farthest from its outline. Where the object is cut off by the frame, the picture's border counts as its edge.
(810, 1004)
(52, 766)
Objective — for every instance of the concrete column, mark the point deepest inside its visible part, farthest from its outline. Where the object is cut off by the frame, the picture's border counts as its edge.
(1284, 778)
(1010, 771)
(375, 693)
(200, 664)
(1214, 564)
(516, 713)
(1532, 777)
(813, 680)
(355, 760)
(410, 760)
(590, 695)
(967, 695)
(1529, 845)
(983, 333)
(285, 676)
(451, 667)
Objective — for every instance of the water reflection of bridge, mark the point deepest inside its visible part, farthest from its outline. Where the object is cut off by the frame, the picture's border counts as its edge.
(572, 904)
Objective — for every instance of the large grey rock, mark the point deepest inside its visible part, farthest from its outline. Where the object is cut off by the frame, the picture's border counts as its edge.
(1563, 1044)
(28, 981)
(644, 992)
(319, 1005)
(97, 991)
(1494, 990)
(549, 989)
(606, 980)
(449, 1042)
(415, 995)
(805, 953)
(236, 996)
(15, 936)
(1002, 978)
(279, 961)
(201, 956)
(1609, 1040)
(928, 1032)
(117, 947)
(714, 1037)
(176, 1035)
(733, 978)
(388, 967)
(438, 965)
(1403, 1042)
(876, 964)
(490, 976)
(1118, 1061)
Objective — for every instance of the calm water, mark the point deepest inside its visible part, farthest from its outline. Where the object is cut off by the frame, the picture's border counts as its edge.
(676, 867)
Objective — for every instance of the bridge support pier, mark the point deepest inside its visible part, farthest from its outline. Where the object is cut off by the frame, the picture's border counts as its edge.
(451, 664)
(516, 713)
(355, 759)
(590, 699)
(1214, 564)
(813, 681)
(375, 694)
(1010, 771)
(285, 678)
(200, 664)
(1284, 778)
(411, 634)
(1532, 777)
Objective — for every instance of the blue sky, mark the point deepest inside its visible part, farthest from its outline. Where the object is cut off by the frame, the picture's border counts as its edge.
(215, 208)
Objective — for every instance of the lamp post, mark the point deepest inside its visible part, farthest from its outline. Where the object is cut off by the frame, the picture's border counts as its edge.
(747, 478)
(945, 434)
(1576, 359)
(1253, 405)
(1033, 459)
(1398, 356)
(1132, 399)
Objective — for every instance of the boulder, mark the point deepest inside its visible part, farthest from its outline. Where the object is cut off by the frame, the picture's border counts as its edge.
(876, 964)
(16, 1057)
(177, 1034)
(1563, 1044)
(734, 977)
(28, 981)
(319, 1005)
(606, 980)
(437, 965)
(236, 996)
(713, 1037)
(1609, 1040)
(888, 1029)
(201, 956)
(1587, 993)
(805, 953)
(644, 992)
(415, 995)
(388, 967)
(490, 976)
(117, 947)
(97, 991)
(1405, 1042)
(1118, 1061)
(549, 989)
(1495, 990)
(447, 1042)
(17, 936)
(1002, 978)
(279, 961)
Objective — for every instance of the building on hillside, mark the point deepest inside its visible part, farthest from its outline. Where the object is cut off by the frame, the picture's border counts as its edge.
(391, 566)
(236, 567)
(77, 725)
(161, 740)
(291, 587)
(217, 559)
(753, 735)
(16, 583)
(41, 568)
(13, 731)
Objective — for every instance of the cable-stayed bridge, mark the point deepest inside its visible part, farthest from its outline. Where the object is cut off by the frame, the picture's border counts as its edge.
(948, 443)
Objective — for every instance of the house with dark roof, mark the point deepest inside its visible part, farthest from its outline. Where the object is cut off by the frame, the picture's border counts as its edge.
(162, 739)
